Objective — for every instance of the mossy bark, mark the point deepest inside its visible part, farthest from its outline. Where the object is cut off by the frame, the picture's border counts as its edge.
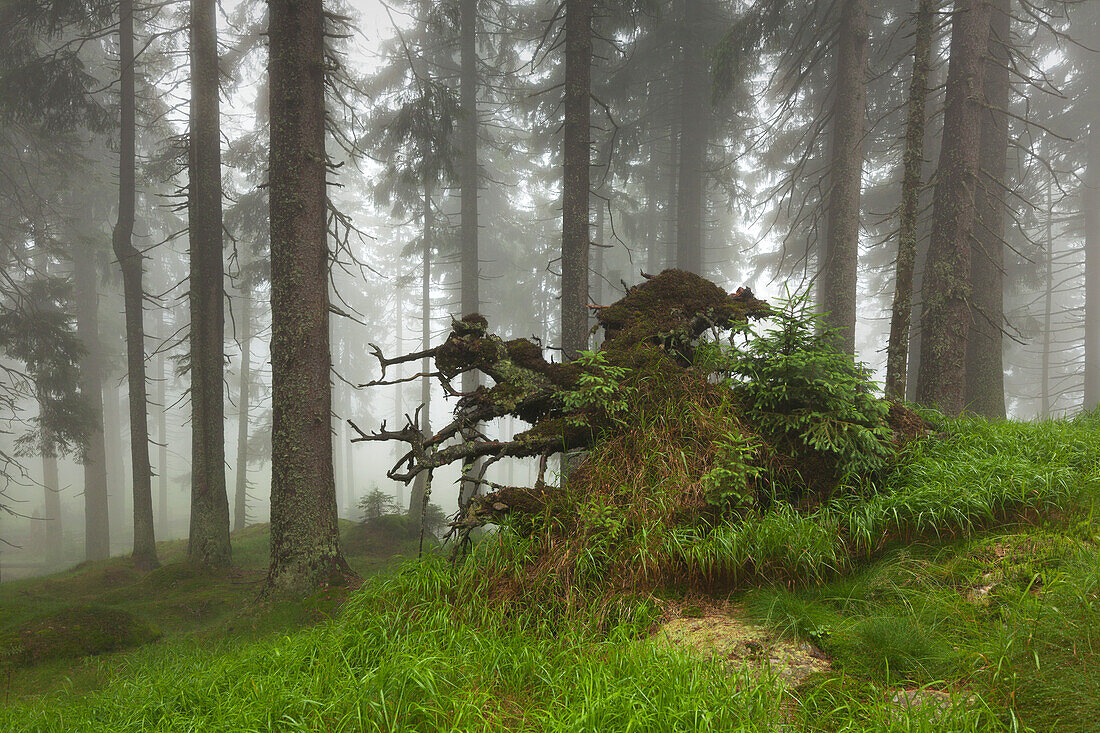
(130, 261)
(97, 531)
(576, 156)
(305, 547)
(838, 271)
(897, 349)
(208, 539)
(985, 383)
(945, 292)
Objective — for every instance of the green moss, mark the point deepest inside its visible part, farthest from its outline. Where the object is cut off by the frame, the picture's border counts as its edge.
(75, 631)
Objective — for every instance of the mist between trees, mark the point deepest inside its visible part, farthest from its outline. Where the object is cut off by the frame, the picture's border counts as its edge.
(214, 218)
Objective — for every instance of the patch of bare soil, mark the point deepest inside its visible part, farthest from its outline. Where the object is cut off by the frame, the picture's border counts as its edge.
(724, 633)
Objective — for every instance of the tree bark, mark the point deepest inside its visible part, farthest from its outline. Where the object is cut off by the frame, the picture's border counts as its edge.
(693, 141)
(208, 539)
(116, 464)
(576, 157)
(130, 261)
(653, 260)
(897, 349)
(945, 317)
(1091, 205)
(985, 383)
(838, 272)
(244, 397)
(468, 179)
(416, 499)
(1048, 297)
(162, 436)
(97, 531)
(52, 503)
(672, 180)
(305, 539)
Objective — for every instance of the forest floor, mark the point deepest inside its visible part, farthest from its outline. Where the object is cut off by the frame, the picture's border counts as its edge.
(996, 628)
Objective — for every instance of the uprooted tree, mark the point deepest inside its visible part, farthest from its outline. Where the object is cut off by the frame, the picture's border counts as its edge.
(675, 423)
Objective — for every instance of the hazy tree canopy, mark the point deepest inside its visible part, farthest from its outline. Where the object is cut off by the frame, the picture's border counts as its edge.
(448, 162)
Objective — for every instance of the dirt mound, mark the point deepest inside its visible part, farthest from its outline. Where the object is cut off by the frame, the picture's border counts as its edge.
(723, 633)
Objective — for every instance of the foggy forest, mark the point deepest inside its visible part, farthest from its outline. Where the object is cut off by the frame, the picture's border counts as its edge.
(550, 365)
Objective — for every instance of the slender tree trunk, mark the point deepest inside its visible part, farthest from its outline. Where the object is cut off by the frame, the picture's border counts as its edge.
(130, 260)
(349, 475)
(468, 175)
(595, 288)
(398, 391)
(468, 180)
(305, 538)
(52, 502)
(97, 531)
(1091, 205)
(208, 539)
(945, 319)
(985, 384)
(1048, 297)
(838, 272)
(117, 481)
(416, 503)
(576, 154)
(244, 399)
(672, 179)
(653, 258)
(162, 436)
(897, 350)
(693, 140)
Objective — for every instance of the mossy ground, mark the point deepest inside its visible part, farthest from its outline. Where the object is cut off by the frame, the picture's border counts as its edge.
(72, 618)
(911, 646)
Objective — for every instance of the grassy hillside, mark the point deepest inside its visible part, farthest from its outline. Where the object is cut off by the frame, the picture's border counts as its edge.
(963, 594)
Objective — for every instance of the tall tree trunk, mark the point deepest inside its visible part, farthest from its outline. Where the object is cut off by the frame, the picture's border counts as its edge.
(672, 176)
(1091, 205)
(244, 398)
(897, 349)
(576, 156)
(693, 140)
(349, 475)
(1048, 297)
(653, 254)
(985, 383)
(595, 288)
(838, 272)
(130, 260)
(97, 530)
(162, 436)
(208, 539)
(305, 538)
(117, 481)
(420, 483)
(398, 403)
(945, 318)
(468, 165)
(468, 179)
(52, 502)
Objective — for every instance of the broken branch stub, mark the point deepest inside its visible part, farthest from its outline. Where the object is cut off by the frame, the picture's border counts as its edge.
(663, 316)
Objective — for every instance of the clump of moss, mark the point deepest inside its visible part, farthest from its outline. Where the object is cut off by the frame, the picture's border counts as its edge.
(75, 631)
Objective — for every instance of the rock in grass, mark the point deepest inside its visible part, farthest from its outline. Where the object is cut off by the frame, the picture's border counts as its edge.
(74, 631)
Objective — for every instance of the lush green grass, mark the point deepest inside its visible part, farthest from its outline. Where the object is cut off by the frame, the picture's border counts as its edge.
(973, 572)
